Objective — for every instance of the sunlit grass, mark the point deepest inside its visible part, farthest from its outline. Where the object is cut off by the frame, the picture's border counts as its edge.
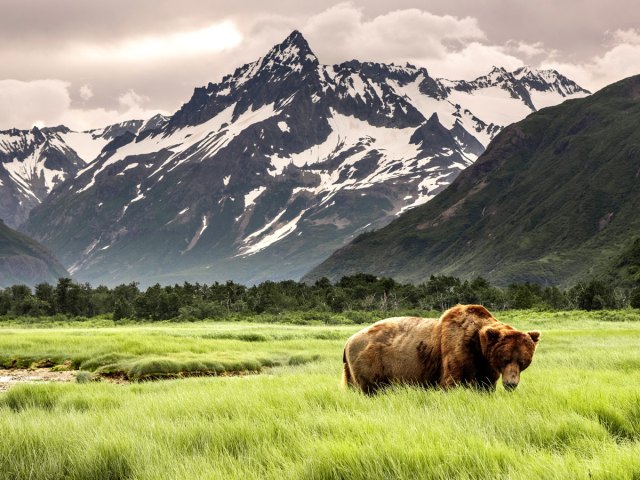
(152, 351)
(576, 413)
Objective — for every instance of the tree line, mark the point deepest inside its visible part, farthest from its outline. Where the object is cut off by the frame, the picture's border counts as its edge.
(361, 292)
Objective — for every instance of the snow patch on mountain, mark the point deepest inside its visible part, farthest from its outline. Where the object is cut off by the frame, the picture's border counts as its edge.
(207, 139)
(492, 104)
(30, 170)
(139, 195)
(85, 144)
(425, 104)
(196, 237)
(276, 235)
(544, 99)
(283, 126)
(250, 197)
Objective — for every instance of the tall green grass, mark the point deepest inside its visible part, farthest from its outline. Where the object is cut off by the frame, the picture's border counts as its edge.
(150, 351)
(576, 413)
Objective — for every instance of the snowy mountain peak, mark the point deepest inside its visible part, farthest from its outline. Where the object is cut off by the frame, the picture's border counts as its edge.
(294, 52)
(547, 80)
(522, 72)
(154, 123)
(496, 76)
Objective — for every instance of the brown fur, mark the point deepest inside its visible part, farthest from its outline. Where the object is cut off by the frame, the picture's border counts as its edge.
(466, 346)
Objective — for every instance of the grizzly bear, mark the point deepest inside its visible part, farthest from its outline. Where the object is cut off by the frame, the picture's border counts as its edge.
(466, 346)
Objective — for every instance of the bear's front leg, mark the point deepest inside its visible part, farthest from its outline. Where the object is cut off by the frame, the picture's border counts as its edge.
(451, 375)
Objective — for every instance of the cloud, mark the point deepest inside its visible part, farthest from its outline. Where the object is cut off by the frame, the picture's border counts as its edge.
(342, 32)
(527, 49)
(629, 36)
(618, 62)
(148, 57)
(86, 93)
(471, 61)
(24, 104)
(131, 100)
(214, 38)
(49, 103)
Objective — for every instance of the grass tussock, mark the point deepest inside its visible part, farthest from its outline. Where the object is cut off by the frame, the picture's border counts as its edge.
(148, 351)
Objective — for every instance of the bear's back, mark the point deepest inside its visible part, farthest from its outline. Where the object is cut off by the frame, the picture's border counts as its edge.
(467, 317)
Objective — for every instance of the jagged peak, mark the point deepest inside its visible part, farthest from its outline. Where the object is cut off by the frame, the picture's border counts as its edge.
(432, 132)
(527, 76)
(295, 37)
(155, 122)
(157, 116)
(56, 129)
(523, 71)
(433, 119)
(496, 75)
(294, 50)
(35, 130)
(530, 72)
(548, 76)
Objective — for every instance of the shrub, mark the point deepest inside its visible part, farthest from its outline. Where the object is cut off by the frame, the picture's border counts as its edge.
(635, 298)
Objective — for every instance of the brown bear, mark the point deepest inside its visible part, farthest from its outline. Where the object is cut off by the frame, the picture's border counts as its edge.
(466, 346)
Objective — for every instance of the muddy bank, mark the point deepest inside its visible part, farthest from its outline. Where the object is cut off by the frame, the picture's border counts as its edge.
(15, 376)
(9, 378)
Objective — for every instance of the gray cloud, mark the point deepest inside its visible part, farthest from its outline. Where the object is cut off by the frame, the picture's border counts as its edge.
(81, 59)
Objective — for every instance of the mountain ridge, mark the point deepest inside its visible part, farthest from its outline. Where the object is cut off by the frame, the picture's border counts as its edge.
(263, 174)
(552, 201)
(33, 162)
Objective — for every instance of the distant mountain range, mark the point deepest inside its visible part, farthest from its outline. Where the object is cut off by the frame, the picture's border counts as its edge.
(264, 174)
(34, 161)
(24, 261)
(555, 199)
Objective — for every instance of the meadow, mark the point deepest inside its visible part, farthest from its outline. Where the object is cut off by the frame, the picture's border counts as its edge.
(259, 401)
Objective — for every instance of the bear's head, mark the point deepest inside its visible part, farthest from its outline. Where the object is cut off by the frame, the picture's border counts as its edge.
(508, 351)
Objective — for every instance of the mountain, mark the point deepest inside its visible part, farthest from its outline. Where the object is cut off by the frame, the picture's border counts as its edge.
(624, 270)
(33, 162)
(265, 173)
(554, 199)
(24, 261)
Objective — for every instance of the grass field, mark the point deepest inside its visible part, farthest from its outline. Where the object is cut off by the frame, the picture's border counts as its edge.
(576, 413)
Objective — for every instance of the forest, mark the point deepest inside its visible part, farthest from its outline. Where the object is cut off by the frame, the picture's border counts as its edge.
(352, 294)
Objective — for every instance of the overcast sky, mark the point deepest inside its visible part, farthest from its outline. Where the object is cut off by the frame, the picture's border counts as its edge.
(88, 63)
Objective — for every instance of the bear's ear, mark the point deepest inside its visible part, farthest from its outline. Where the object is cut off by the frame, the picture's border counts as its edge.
(493, 334)
(535, 336)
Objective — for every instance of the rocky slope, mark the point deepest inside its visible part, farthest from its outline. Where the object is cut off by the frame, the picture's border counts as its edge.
(24, 261)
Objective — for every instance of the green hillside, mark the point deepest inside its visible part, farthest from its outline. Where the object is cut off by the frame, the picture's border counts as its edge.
(25, 261)
(625, 269)
(554, 199)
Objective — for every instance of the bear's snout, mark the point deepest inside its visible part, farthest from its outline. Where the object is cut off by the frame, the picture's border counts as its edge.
(511, 376)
